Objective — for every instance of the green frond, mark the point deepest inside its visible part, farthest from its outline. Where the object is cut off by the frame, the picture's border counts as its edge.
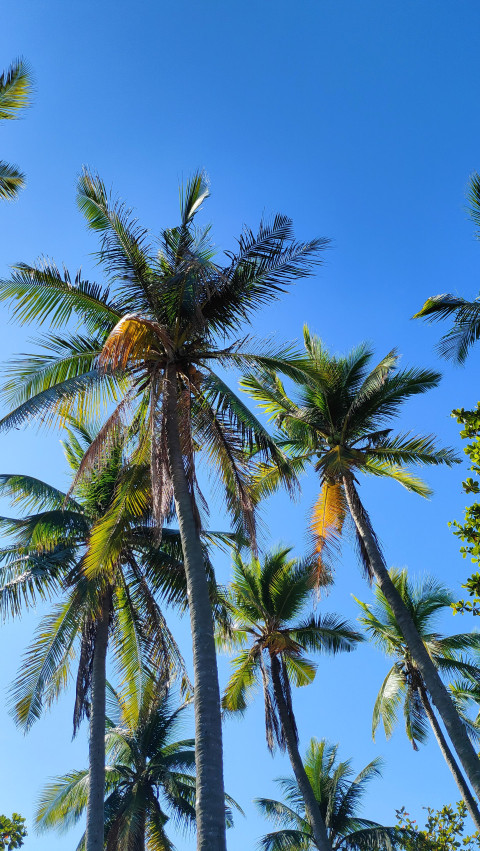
(32, 494)
(11, 181)
(44, 292)
(300, 671)
(15, 89)
(241, 682)
(388, 702)
(62, 802)
(377, 467)
(413, 449)
(46, 665)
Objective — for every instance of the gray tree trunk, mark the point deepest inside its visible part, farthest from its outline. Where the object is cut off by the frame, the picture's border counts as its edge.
(450, 760)
(210, 798)
(312, 809)
(96, 750)
(438, 692)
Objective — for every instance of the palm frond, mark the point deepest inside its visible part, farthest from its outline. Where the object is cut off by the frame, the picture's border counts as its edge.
(12, 180)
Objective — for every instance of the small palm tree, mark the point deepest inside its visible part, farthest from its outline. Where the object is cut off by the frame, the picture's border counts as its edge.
(339, 422)
(150, 775)
(404, 683)
(265, 602)
(15, 89)
(155, 336)
(465, 331)
(339, 794)
(114, 603)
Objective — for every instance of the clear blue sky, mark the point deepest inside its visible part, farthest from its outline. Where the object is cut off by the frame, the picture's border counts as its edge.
(358, 119)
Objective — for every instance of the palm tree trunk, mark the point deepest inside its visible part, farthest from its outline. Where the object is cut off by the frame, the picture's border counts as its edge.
(96, 783)
(210, 796)
(450, 759)
(312, 808)
(438, 692)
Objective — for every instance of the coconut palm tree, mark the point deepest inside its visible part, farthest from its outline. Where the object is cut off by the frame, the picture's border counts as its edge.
(113, 603)
(150, 775)
(465, 331)
(265, 602)
(155, 337)
(404, 684)
(15, 89)
(339, 794)
(340, 423)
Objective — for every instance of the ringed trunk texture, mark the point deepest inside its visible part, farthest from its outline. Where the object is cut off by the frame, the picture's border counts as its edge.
(210, 796)
(439, 694)
(96, 748)
(312, 809)
(450, 760)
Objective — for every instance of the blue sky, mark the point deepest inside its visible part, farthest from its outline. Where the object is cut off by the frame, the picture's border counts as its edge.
(360, 121)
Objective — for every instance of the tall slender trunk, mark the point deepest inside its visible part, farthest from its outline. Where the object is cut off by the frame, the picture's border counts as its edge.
(210, 799)
(438, 692)
(312, 808)
(96, 749)
(450, 759)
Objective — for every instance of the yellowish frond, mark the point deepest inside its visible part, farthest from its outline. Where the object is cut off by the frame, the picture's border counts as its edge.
(132, 341)
(326, 526)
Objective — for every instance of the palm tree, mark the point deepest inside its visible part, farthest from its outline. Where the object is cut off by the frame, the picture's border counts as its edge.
(47, 559)
(150, 775)
(340, 425)
(338, 794)
(465, 331)
(15, 89)
(156, 343)
(404, 683)
(264, 603)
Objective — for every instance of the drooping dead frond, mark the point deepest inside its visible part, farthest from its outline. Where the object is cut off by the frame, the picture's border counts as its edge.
(328, 517)
(162, 487)
(84, 675)
(273, 728)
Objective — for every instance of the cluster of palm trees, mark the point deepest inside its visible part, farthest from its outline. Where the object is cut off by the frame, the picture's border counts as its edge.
(133, 371)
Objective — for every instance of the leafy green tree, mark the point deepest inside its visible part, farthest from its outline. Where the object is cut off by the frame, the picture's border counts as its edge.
(15, 89)
(150, 775)
(465, 331)
(469, 530)
(12, 831)
(444, 830)
(156, 336)
(112, 601)
(404, 686)
(265, 602)
(339, 794)
(340, 424)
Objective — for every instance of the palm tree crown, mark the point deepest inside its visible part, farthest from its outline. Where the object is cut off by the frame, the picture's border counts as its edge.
(52, 557)
(403, 684)
(150, 776)
(339, 421)
(339, 795)
(265, 602)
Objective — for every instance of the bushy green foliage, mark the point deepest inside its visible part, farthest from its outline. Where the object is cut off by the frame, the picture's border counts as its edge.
(469, 530)
(444, 830)
(12, 831)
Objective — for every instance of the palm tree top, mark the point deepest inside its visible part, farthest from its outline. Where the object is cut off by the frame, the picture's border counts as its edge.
(150, 772)
(339, 793)
(453, 655)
